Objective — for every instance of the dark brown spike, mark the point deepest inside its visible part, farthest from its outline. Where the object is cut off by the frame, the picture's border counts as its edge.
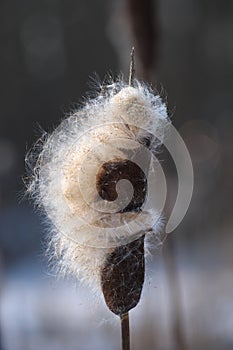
(131, 68)
(122, 277)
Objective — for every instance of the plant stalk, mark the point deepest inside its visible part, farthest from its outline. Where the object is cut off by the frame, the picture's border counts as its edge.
(131, 68)
(125, 332)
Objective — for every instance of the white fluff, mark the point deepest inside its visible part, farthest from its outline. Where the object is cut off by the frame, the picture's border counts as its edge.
(84, 227)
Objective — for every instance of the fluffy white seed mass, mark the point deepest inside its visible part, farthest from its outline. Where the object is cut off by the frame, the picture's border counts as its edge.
(84, 227)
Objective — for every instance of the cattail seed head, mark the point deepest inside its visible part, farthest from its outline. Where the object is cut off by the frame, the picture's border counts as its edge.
(122, 276)
(91, 179)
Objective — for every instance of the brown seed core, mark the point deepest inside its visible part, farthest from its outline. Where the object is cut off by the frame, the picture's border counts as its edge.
(122, 277)
(113, 171)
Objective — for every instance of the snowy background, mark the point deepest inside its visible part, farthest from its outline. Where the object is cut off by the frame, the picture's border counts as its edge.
(48, 51)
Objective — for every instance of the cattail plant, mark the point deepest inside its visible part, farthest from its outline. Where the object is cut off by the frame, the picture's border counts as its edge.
(92, 179)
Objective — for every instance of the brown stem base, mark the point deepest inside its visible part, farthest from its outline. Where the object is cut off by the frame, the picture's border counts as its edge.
(125, 334)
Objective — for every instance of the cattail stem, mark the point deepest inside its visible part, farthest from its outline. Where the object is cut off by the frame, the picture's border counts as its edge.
(131, 68)
(125, 332)
(143, 20)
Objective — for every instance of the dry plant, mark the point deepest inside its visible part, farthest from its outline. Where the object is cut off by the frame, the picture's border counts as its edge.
(92, 179)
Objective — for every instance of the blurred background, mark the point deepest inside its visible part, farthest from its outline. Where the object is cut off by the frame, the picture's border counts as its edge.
(49, 49)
